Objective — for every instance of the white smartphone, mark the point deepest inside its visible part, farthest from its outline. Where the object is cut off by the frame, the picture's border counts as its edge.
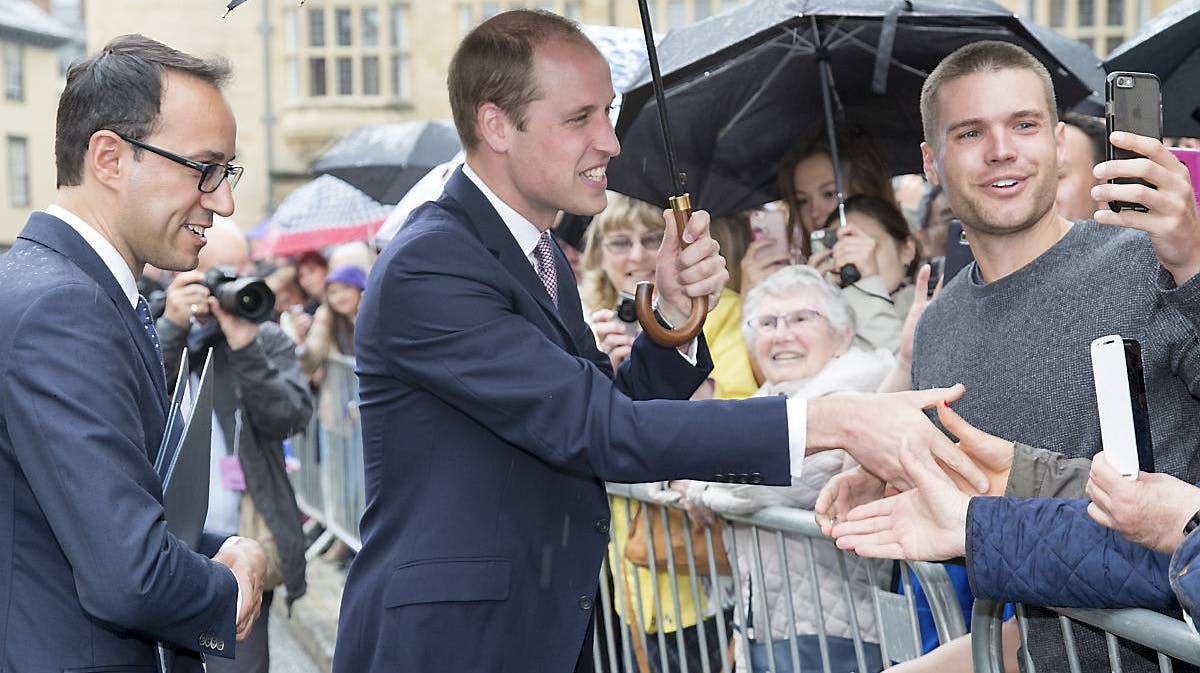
(1121, 402)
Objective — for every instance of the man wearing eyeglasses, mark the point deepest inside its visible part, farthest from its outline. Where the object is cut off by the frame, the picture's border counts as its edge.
(90, 577)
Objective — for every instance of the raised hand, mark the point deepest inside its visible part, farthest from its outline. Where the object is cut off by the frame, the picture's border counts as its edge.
(683, 273)
(925, 523)
(1172, 222)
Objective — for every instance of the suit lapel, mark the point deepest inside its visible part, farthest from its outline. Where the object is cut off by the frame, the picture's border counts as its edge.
(497, 238)
(57, 235)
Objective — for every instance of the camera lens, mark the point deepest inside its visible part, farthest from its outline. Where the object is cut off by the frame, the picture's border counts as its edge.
(1125, 82)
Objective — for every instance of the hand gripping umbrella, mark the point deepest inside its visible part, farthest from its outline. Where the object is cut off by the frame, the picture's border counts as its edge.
(681, 209)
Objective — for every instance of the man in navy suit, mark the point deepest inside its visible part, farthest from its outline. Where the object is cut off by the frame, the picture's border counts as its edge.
(491, 420)
(90, 578)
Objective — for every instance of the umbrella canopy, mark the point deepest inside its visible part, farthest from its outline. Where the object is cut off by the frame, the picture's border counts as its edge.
(743, 87)
(1169, 46)
(1079, 59)
(324, 212)
(386, 160)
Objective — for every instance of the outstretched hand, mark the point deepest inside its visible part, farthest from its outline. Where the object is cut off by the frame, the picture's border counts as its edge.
(872, 428)
(925, 523)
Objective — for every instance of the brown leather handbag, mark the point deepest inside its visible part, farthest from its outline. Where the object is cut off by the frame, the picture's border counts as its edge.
(650, 515)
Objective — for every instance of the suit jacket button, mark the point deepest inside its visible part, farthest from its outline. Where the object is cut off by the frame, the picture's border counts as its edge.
(718, 477)
(756, 478)
(220, 644)
(602, 526)
(585, 603)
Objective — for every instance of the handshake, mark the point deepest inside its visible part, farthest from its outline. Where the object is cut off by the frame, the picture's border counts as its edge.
(924, 515)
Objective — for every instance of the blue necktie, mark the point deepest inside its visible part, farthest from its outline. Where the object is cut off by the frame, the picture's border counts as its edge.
(143, 311)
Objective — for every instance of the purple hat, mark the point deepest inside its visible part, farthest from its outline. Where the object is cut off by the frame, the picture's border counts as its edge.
(348, 275)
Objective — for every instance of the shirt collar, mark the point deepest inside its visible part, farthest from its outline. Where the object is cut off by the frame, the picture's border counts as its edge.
(108, 254)
(523, 230)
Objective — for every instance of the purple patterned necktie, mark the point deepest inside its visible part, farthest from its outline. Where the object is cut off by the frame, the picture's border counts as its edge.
(544, 250)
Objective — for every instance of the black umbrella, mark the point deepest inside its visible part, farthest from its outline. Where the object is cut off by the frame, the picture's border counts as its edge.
(1079, 59)
(1169, 46)
(744, 86)
(386, 160)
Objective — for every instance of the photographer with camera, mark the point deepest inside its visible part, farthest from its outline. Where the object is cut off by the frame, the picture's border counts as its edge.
(260, 398)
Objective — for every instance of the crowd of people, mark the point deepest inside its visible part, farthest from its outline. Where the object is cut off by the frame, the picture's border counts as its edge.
(1051, 273)
(498, 391)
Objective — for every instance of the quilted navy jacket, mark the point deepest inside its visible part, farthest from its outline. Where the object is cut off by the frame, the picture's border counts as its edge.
(1185, 574)
(1049, 552)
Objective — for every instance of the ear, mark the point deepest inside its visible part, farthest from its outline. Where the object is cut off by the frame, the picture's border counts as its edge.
(1060, 145)
(908, 250)
(847, 341)
(103, 157)
(929, 164)
(494, 127)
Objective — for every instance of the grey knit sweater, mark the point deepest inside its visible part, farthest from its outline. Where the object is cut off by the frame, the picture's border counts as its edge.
(1021, 347)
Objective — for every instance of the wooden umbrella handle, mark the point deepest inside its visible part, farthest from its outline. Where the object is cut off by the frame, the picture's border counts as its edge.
(681, 209)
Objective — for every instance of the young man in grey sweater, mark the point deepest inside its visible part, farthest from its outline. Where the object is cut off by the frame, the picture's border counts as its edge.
(1015, 327)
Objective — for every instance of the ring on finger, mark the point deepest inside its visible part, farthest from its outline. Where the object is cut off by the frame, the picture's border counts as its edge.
(195, 307)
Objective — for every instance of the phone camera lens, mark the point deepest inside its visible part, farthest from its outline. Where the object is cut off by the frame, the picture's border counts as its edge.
(1125, 82)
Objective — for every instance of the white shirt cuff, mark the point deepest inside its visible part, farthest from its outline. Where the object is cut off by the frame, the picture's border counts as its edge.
(689, 353)
(797, 421)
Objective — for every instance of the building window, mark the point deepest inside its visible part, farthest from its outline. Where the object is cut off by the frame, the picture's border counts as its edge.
(345, 76)
(1058, 13)
(370, 75)
(316, 27)
(1087, 13)
(291, 30)
(316, 77)
(702, 9)
(345, 28)
(370, 27)
(488, 10)
(14, 71)
(293, 78)
(727, 5)
(366, 51)
(571, 9)
(1116, 13)
(18, 172)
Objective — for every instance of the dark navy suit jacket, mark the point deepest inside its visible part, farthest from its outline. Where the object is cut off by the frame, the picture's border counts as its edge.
(490, 421)
(90, 578)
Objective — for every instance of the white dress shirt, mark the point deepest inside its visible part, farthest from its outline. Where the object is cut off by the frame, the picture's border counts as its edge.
(526, 235)
(120, 270)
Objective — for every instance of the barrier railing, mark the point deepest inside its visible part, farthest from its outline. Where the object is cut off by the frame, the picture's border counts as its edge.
(1172, 639)
(329, 484)
(329, 489)
(779, 541)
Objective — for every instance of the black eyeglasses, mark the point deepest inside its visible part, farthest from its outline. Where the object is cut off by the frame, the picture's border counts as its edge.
(211, 175)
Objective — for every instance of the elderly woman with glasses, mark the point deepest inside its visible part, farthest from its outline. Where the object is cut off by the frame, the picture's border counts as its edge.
(801, 331)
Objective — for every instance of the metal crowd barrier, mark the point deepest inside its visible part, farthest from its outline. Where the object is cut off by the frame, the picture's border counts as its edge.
(329, 484)
(1172, 639)
(621, 642)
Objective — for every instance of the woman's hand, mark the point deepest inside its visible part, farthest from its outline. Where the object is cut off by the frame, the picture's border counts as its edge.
(757, 266)
(855, 247)
(612, 336)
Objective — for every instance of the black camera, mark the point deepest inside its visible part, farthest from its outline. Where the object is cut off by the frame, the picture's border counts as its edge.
(626, 311)
(248, 298)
